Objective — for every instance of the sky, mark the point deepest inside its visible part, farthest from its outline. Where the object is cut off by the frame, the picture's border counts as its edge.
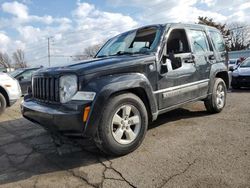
(73, 25)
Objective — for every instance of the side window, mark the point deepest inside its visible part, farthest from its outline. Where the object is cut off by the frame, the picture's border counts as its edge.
(199, 41)
(217, 41)
(27, 74)
(177, 42)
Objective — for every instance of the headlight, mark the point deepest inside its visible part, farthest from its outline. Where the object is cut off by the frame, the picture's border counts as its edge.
(68, 87)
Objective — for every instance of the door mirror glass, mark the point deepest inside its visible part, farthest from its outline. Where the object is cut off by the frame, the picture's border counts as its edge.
(20, 78)
(231, 68)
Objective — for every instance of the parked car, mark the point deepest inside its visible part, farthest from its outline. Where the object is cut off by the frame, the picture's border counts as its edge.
(233, 63)
(24, 77)
(241, 75)
(10, 91)
(135, 77)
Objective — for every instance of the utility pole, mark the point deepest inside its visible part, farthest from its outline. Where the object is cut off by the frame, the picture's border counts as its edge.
(49, 50)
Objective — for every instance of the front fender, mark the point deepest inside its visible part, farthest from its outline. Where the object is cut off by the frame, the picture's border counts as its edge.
(109, 85)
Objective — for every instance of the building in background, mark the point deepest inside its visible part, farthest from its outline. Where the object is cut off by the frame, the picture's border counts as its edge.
(239, 54)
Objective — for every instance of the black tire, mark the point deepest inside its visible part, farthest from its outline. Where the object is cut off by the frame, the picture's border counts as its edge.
(211, 102)
(105, 139)
(2, 104)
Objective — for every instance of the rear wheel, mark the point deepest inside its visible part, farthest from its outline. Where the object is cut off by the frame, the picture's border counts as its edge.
(2, 104)
(123, 125)
(216, 102)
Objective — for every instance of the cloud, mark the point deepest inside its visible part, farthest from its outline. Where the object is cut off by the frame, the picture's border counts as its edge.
(87, 25)
(5, 41)
(18, 9)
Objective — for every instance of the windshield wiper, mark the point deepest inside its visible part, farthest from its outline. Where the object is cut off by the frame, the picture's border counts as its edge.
(120, 53)
(101, 56)
(124, 53)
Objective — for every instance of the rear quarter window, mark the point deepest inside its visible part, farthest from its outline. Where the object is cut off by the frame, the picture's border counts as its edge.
(217, 41)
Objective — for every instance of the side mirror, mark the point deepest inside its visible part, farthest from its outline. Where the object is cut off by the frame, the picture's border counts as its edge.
(177, 63)
(165, 65)
(231, 68)
(20, 78)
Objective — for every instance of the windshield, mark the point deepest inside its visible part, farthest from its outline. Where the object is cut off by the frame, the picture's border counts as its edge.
(245, 63)
(143, 40)
(15, 73)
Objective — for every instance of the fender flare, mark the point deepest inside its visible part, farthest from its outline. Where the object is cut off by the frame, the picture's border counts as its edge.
(109, 85)
(215, 70)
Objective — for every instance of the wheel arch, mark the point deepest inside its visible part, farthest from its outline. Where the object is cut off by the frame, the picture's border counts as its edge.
(224, 76)
(5, 94)
(141, 93)
(115, 85)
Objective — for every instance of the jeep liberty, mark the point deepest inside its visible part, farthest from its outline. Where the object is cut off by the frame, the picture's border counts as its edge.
(134, 77)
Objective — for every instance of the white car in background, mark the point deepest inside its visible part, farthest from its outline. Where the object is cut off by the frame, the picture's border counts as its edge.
(10, 91)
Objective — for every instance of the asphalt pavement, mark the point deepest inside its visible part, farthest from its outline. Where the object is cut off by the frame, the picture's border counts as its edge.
(186, 147)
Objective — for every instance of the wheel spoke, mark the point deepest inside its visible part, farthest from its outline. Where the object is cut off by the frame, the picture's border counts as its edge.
(118, 133)
(130, 134)
(134, 120)
(218, 100)
(220, 88)
(126, 111)
(117, 120)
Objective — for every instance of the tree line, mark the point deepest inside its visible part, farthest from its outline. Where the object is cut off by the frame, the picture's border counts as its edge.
(16, 61)
(236, 35)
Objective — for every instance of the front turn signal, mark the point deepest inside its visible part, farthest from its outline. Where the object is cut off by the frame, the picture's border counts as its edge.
(86, 113)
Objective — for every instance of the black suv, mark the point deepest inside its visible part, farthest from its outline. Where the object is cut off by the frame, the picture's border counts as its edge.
(134, 77)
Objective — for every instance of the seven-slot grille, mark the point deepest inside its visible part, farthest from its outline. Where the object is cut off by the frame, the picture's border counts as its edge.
(46, 89)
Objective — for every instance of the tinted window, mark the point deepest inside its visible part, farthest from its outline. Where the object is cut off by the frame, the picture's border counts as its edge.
(217, 41)
(177, 42)
(199, 41)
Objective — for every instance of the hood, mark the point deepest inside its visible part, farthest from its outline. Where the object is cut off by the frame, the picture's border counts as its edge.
(244, 71)
(100, 64)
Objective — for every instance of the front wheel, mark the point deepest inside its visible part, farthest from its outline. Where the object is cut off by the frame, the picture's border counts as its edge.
(123, 125)
(217, 100)
(2, 104)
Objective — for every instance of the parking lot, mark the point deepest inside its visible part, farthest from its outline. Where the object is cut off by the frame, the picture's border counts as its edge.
(183, 148)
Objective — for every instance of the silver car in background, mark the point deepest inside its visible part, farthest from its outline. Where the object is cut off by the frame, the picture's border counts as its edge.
(241, 75)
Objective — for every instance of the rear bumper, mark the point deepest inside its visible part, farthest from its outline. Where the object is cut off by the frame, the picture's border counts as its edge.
(54, 118)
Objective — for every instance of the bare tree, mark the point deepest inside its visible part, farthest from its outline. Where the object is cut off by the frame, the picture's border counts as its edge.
(222, 27)
(88, 53)
(239, 36)
(19, 59)
(5, 60)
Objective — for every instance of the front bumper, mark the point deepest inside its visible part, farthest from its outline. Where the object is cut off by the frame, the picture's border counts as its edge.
(241, 81)
(54, 117)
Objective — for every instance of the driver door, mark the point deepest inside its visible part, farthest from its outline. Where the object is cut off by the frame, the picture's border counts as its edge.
(176, 84)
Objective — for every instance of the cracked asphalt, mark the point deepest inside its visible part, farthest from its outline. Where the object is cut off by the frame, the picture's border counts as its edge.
(184, 148)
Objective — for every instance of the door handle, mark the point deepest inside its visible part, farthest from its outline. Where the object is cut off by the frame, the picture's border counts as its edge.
(190, 59)
(211, 57)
